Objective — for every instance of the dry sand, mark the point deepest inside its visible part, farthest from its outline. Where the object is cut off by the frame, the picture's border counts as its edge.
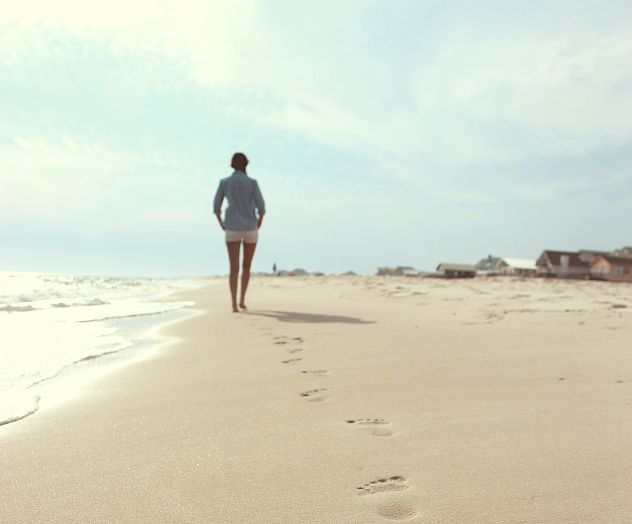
(352, 400)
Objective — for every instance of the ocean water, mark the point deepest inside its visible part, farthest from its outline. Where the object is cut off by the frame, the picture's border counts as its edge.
(50, 323)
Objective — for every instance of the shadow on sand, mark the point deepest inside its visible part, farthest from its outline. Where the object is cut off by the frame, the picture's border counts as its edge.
(293, 316)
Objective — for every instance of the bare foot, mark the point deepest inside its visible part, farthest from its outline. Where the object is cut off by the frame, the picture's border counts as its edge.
(235, 308)
(242, 305)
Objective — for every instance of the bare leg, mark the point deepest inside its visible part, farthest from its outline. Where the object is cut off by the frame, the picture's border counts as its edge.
(233, 257)
(249, 252)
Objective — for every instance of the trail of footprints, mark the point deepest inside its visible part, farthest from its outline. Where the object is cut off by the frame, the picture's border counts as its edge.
(382, 493)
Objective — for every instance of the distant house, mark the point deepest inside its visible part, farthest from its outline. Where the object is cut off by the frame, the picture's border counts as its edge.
(487, 266)
(623, 252)
(457, 270)
(615, 269)
(397, 271)
(589, 256)
(517, 267)
(562, 264)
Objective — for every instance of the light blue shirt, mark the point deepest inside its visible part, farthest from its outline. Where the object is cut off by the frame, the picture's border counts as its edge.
(244, 197)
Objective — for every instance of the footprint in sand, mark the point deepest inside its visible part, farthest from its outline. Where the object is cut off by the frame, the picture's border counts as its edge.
(388, 505)
(315, 395)
(379, 427)
(382, 485)
(316, 372)
(397, 510)
(493, 317)
(294, 350)
(282, 340)
(291, 360)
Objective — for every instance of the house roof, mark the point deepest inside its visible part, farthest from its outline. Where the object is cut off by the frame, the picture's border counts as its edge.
(594, 252)
(554, 258)
(455, 267)
(520, 263)
(619, 261)
(489, 262)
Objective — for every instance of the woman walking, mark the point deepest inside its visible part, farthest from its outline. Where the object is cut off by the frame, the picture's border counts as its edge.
(242, 221)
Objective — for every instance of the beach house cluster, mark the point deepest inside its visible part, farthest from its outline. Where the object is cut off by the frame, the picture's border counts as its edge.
(614, 266)
(597, 265)
(490, 266)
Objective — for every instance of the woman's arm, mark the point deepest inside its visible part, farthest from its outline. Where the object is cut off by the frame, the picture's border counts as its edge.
(217, 204)
(260, 204)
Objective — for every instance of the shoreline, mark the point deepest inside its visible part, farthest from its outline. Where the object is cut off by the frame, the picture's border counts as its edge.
(145, 334)
(355, 399)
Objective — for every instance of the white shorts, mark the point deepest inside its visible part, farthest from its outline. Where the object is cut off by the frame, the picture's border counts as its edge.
(249, 237)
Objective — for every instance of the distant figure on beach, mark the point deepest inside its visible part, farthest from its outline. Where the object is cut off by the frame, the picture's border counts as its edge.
(274, 268)
(241, 223)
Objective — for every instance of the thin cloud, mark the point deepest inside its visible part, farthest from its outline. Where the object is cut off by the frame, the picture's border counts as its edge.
(565, 93)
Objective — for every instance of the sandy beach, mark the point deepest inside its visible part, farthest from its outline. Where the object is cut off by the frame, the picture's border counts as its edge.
(351, 400)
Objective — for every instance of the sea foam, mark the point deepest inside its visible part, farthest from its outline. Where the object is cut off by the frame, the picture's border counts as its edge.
(50, 322)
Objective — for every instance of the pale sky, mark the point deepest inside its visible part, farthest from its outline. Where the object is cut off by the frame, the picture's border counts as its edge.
(381, 132)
